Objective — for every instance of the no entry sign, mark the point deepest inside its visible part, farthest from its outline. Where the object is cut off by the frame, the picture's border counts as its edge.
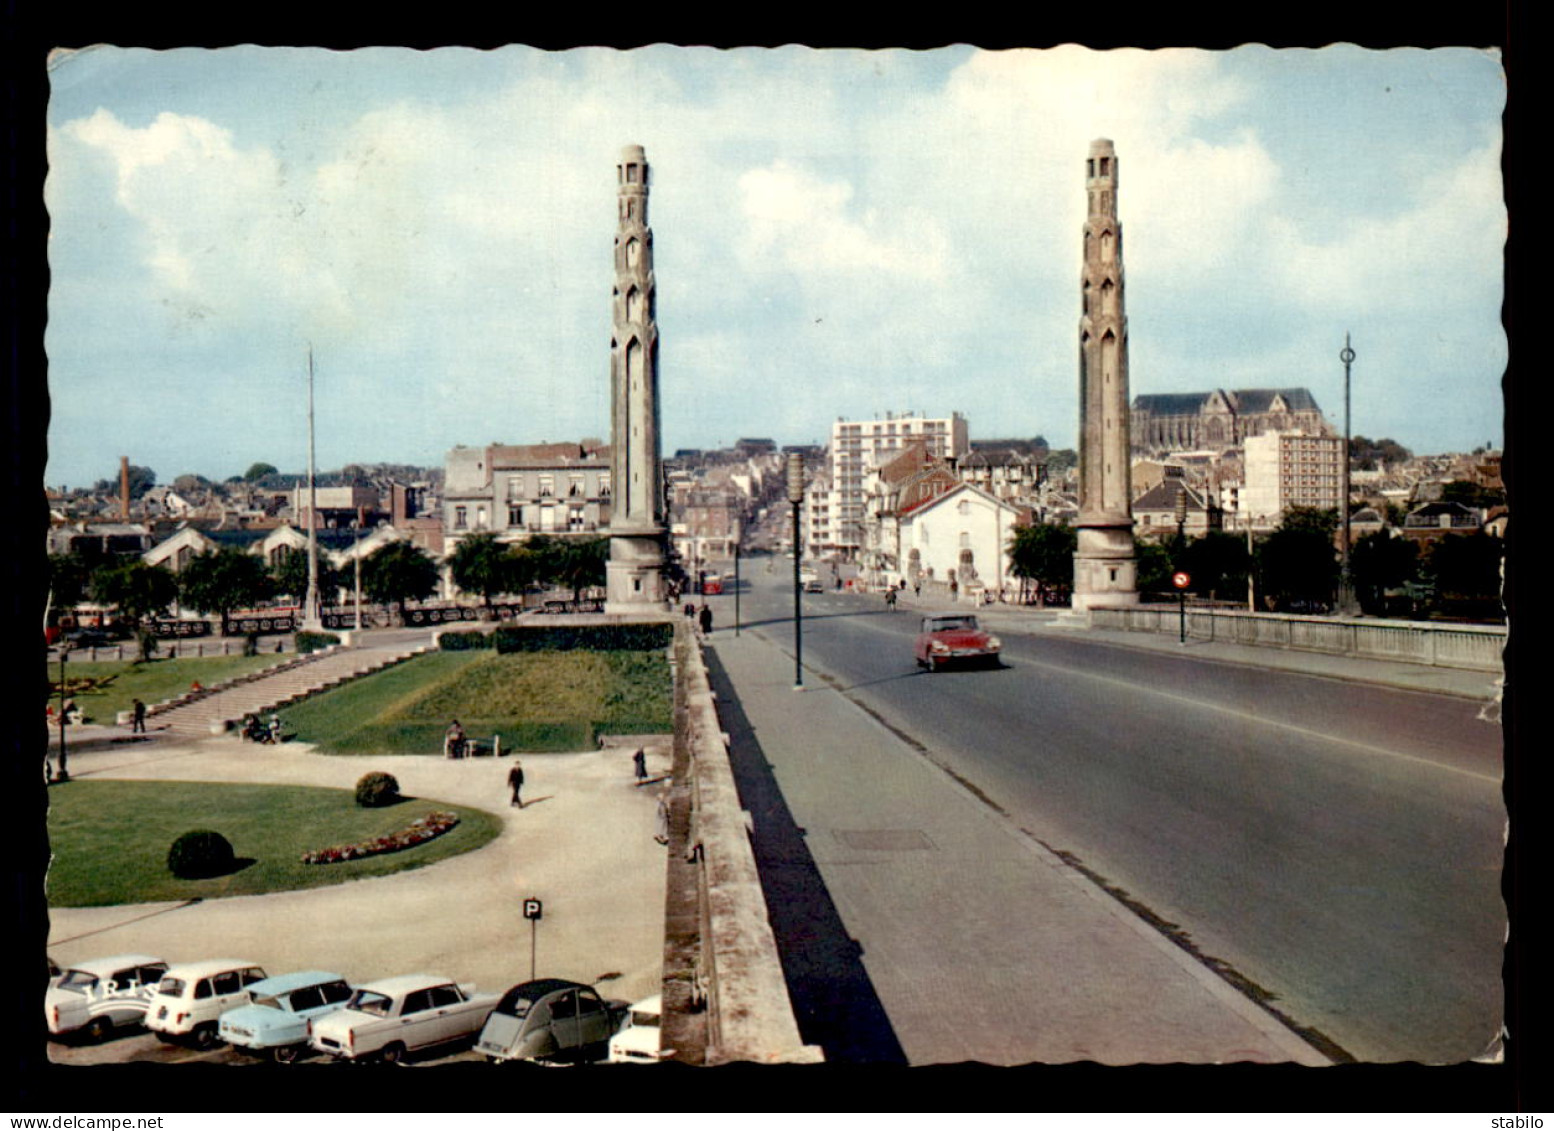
(1180, 580)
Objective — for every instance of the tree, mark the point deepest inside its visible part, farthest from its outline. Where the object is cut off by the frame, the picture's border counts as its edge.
(1466, 570)
(141, 480)
(1380, 562)
(224, 580)
(1044, 554)
(581, 564)
(139, 590)
(399, 572)
(481, 564)
(1218, 564)
(1470, 494)
(1154, 565)
(191, 484)
(68, 579)
(1061, 460)
(258, 471)
(1297, 563)
(290, 575)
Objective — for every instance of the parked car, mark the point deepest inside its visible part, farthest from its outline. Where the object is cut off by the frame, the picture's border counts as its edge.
(277, 1022)
(191, 998)
(550, 1017)
(394, 1016)
(954, 638)
(101, 994)
(639, 1039)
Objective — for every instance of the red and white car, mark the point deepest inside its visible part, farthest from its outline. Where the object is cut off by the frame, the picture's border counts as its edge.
(388, 1018)
(955, 638)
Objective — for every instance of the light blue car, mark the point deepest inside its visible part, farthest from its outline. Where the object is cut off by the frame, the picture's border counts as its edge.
(279, 1019)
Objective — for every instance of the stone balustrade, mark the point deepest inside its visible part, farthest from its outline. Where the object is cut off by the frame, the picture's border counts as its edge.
(1471, 647)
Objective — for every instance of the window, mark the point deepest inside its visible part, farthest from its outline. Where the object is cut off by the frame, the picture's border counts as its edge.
(515, 486)
(460, 518)
(445, 995)
(416, 1002)
(227, 983)
(547, 486)
(514, 516)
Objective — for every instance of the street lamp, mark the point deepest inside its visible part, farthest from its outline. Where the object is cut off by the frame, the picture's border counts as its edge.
(1345, 584)
(796, 497)
(63, 773)
(736, 586)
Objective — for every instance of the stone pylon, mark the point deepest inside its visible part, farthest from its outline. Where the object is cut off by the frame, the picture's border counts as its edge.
(635, 572)
(1105, 572)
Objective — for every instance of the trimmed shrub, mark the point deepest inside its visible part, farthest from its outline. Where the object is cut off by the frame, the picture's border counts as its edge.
(464, 641)
(313, 641)
(377, 789)
(591, 637)
(200, 854)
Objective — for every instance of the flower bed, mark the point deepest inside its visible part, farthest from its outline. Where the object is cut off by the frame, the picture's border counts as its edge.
(427, 828)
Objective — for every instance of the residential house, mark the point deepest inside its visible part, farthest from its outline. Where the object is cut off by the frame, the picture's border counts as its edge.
(958, 542)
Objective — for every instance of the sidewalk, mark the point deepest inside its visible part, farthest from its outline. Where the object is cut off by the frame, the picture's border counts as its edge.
(583, 844)
(979, 944)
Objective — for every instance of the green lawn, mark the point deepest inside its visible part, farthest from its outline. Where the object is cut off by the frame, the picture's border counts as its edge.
(103, 688)
(110, 838)
(537, 701)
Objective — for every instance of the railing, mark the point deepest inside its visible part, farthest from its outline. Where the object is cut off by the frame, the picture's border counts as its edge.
(1471, 647)
(749, 1016)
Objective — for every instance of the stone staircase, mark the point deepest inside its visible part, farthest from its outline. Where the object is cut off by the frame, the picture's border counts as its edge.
(197, 714)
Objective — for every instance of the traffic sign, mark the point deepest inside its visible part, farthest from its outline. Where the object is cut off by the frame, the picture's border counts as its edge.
(532, 909)
(1180, 580)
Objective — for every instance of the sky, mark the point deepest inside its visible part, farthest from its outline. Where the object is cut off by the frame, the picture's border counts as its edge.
(837, 233)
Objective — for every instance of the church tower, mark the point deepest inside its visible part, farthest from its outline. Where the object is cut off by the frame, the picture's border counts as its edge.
(634, 574)
(1105, 572)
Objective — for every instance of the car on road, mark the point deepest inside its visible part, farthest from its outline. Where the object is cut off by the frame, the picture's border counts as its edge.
(550, 1017)
(101, 994)
(391, 1017)
(954, 638)
(191, 998)
(277, 1022)
(638, 1040)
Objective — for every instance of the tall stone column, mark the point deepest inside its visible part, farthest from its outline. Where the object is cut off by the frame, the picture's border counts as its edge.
(1105, 572)
(634, 573)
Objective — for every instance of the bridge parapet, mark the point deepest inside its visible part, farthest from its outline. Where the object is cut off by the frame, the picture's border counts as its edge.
(1470, 647)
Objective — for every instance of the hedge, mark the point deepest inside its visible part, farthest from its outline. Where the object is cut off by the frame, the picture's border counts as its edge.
(314, 641)
(588, 637)
(465, 641)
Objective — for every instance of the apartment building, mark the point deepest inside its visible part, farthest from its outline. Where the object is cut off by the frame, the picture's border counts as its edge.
(856, 446)
(1281, 470)
(516, 490)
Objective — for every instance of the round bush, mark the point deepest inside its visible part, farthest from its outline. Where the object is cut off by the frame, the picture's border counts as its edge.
(377, 789)
(199, 854)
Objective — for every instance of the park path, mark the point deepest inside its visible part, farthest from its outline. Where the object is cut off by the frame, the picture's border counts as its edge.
(583, 844)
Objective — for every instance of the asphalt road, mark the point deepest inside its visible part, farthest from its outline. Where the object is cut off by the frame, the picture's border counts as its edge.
(1336, 845)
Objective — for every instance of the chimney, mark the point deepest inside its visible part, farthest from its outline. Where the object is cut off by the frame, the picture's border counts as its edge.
(124, 488)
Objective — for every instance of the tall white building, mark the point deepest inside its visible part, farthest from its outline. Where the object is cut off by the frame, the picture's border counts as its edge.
(1287, 469)
(859, 445)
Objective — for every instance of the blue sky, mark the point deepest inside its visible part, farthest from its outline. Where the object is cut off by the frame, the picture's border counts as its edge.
(837, 233)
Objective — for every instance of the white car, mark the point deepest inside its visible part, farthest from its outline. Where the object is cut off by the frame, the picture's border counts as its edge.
(639, 1040)
(101, 994)
(279, 1019)
(394, 1016)
(191, 998)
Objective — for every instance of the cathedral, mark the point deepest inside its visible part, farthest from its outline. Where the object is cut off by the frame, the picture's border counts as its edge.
(1214, 421)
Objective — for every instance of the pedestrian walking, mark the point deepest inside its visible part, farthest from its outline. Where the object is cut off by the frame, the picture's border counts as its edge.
(453, 741)
(690, 612)
(639, 764)
(890, 598)
(515, 782)
(706, 620)
(917, 589)
(138, 726)
(662, 833)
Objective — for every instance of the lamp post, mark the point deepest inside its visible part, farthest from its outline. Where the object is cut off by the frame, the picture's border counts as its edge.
(356, 555)
(1345, 583)
(736, 586)
(63, 773)
(796, 497)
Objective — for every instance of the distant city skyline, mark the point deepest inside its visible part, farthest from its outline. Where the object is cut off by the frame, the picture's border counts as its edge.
(839, 233)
